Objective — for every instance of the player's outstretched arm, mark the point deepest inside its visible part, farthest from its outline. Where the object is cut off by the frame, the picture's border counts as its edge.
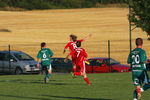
(64, 51)
(87, 37)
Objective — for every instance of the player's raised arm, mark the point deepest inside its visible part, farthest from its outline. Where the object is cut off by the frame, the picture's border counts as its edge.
(64, 50)
(87, 37)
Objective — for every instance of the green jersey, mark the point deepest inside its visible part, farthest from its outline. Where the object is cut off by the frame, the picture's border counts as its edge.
(137, 59)
(45, 55)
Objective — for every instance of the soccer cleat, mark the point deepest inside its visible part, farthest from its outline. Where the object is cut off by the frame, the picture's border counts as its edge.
(89, 84)
(135, 99)
(142, 90)
(87, 62)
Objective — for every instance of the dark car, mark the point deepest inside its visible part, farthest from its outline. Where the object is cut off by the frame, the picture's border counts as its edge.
(105, 65)
(17, 62)
(59, 65)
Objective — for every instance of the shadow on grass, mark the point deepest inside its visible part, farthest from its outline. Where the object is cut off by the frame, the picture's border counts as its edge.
(22, 97)
(51, 82)
(77, 98)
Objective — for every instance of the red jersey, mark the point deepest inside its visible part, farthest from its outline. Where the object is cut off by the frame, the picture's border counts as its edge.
(72, 45)
(80, 55)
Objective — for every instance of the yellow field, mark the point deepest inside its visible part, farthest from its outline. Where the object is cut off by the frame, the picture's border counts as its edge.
(54, 26)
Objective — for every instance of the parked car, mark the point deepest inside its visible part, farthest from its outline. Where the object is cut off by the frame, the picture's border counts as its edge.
(17, 62)
(59, 65)
(148, 65)
(105, 65)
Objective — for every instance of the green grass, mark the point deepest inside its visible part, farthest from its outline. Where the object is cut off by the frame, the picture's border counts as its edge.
(109, 86)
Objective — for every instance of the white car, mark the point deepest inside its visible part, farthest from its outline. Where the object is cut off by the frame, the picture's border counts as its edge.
(17, 62)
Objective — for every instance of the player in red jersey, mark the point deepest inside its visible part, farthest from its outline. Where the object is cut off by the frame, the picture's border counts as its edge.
(72, 46)
(80, 57)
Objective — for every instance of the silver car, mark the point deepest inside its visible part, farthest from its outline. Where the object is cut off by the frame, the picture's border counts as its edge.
(17, 62)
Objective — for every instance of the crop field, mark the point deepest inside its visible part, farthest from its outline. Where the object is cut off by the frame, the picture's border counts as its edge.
(30, 28)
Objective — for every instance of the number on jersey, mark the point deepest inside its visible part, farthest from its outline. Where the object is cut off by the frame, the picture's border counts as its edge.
(78, 53)
(74, 45)
(44, 56)
(136, 59)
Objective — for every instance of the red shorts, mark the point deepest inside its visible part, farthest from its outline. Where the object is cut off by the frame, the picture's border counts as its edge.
(81, 65)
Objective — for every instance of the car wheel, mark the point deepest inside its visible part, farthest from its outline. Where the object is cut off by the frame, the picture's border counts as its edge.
(18, 71)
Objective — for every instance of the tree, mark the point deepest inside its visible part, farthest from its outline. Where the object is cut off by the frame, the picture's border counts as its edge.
(140, 14)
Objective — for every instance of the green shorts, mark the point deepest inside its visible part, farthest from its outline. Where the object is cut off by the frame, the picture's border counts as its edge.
(140, 78)
(46, 67)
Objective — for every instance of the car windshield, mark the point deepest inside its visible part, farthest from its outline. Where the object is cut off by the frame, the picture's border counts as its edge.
(23, 56)
(112, 61)
(58, 60)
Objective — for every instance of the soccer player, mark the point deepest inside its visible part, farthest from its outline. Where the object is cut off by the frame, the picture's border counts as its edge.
(80, 57)
(72, 46)
(44, 56)
(137, 58)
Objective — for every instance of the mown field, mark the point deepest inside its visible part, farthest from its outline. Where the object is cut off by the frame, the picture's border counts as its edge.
(110, 86)
(30, 28)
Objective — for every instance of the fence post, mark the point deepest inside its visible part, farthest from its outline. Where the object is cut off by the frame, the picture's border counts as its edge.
(9, 58)
(109, 55)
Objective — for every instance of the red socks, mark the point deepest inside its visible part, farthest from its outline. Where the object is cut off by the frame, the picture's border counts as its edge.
(77, 73)
(87, 80)
(138, 90)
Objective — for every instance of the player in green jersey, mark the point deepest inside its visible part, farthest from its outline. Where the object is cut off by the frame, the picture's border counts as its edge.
(44, 56)
(137, 59)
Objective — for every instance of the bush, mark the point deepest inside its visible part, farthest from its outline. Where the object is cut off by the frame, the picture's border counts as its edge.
(33, 4)
(3, 4)
(53, 4)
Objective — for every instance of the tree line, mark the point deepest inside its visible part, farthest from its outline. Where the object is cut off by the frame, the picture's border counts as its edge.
(140, 14)
(55, 4)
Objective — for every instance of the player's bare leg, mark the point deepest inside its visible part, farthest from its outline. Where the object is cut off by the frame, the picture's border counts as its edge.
(74, 71)
(48, 74)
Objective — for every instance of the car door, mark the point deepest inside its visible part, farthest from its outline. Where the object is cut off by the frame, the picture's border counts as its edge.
(89, 67)
(9, 63)
(98, 66)
(6, 62)
(1, 62)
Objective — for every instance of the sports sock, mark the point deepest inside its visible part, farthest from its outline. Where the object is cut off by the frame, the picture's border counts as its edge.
(138, 90)
(77, 73)
(49, 75)
(87, 80)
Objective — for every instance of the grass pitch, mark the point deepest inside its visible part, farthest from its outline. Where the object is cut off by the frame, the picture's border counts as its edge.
(109, 86)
